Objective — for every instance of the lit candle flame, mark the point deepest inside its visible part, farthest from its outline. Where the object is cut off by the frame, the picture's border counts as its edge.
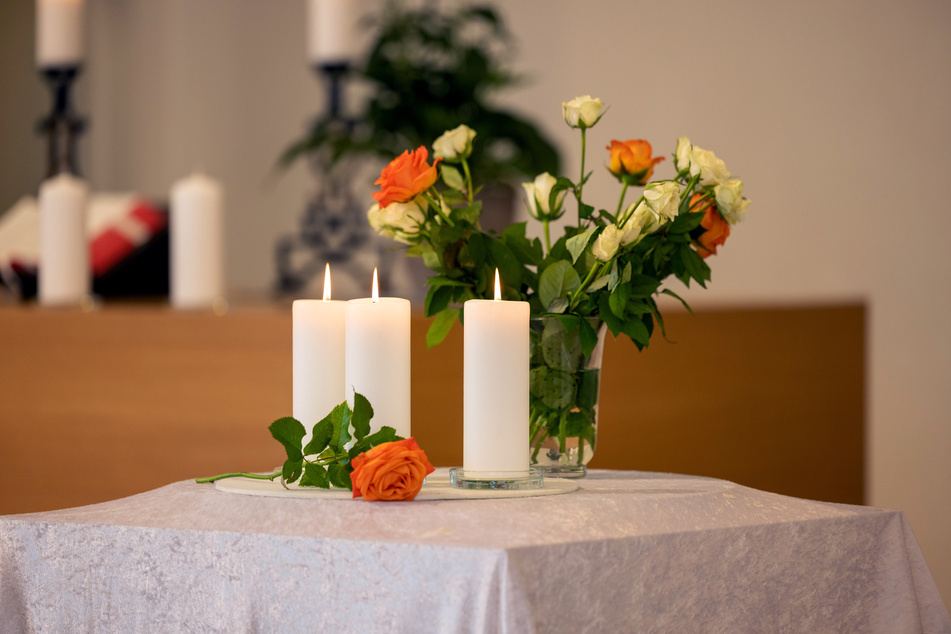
(327, 282)
(498, 287)
(376, 287)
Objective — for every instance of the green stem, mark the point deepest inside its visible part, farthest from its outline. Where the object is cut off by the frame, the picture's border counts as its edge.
(547, 237)
(563, 432)
(465, 168)
(573, 298)
(435, 205)
(620, 203)
(581, 180)
(241, 474)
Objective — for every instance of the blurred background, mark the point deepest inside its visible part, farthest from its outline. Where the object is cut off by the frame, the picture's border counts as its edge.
(835, 115)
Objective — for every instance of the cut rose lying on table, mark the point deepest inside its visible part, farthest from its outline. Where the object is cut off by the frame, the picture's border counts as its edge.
(377, 467)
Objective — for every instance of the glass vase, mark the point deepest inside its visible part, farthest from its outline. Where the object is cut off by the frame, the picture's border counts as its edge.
(565, 388)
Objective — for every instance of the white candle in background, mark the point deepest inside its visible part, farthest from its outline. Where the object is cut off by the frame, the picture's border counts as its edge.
(318, 356)
(59, 33)
(496, 387)
(196, 259)
(64, 275)
(330, 31)
(378, 358)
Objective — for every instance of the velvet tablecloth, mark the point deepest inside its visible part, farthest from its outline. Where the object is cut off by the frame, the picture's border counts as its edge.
(628, 551)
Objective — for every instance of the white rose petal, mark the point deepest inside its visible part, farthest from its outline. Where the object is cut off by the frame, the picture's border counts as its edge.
(454, 145)
(582, 111)
(538, 195)
(712, 170)
(682, 154)
(607, 243)
(664, 198)
(730, 201)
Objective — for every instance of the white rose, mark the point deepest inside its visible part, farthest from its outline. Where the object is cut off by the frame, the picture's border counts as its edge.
(682, 154)
(730, 201)
(664, 198)
(642, 222)
(607, 243)
(582, 112)
(400, 221)
(454, 145)
(538, 194)
(712, 170)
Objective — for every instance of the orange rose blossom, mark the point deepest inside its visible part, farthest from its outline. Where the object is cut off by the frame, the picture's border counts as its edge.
(389, 472)
(632, 158)
(717, 229)
(407, 176)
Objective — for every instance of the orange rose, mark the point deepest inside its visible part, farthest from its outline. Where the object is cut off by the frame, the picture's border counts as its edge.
(393, 471)
(717, 230)
(407, 176)
(632, 159)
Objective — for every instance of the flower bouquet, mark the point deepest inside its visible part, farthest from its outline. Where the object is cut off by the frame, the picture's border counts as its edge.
(603, 273)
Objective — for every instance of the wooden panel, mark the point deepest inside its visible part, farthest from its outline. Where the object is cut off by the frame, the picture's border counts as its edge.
(101, 405)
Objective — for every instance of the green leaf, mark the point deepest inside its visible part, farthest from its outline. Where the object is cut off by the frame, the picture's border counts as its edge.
(558, 305)
(588, 388)
(477, 249)
(437, 299)
(684, 223)
(655, 311)
(577, 244)
(339, 476)
(440, 327)
(468, 214)
(561, 349)
(340, 417)
(693, 263)
(585, 211)
(315, 475)
(320, 438)
(637, 331)
(614, 324)
(553, 387)
(292, 469)
(642, 285)
(558, 280)
(589, 338)
(385, 434)
(441, 280)
(667, 291)
(452, 177)
(599, 283)
(289, 432)
(362, 413)
(527, 251)
(618, 300)
(509, 269)
(614, 277)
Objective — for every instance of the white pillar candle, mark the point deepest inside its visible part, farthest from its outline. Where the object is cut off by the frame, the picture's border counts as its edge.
(495, 388)
(196, 259)
(64, 275)
(330, 31)
(318, 356)
(59, 33)
(378, 358)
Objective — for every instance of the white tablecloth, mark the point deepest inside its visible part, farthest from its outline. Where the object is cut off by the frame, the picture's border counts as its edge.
(627, 552)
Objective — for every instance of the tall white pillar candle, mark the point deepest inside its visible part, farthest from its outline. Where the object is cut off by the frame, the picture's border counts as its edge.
(378, 359)
(318, 356)
(330, 31)
(496, 388)
(59, 33)
(196, 260)
(64, 275)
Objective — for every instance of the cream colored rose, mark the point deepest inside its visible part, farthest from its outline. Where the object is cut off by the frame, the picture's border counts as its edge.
(454, 145)
(643, 221)
(682, 154)
(582, 111)
(538, 197)
(664, 198)
(607, 243)
(712, 170)
(730, 201)
(400, 221)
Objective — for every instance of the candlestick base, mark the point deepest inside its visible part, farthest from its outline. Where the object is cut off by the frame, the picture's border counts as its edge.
(534, 478)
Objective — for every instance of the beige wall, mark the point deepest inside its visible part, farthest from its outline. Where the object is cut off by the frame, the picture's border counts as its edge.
(835, 114)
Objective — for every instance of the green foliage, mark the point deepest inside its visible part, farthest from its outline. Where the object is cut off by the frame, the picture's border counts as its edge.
(430, 69)
(336, 440)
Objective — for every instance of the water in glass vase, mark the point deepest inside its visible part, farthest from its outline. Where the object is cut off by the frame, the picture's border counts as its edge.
(565, 388)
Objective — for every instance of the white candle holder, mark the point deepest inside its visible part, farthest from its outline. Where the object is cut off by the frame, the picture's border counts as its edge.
(502, 481)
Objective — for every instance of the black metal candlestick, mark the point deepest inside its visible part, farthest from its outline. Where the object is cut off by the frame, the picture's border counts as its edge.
(63, 125)
(333, 228)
